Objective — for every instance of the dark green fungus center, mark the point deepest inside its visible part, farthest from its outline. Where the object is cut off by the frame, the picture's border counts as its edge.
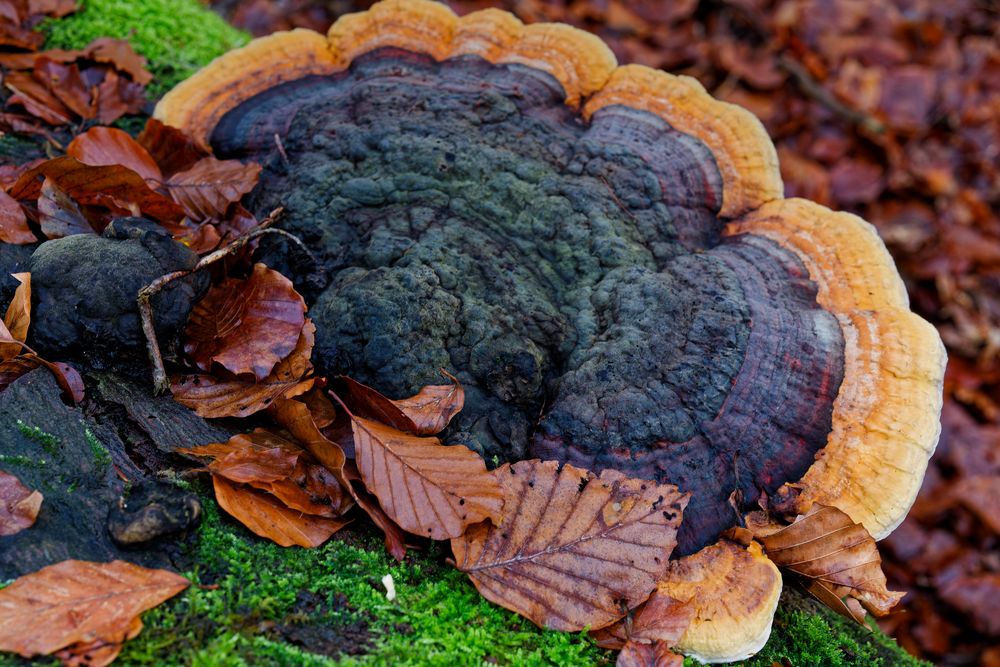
(571, 274)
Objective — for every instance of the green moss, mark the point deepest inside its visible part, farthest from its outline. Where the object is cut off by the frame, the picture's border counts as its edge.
(18, 460)
(177, 36)
(48, 442)
(102, 457)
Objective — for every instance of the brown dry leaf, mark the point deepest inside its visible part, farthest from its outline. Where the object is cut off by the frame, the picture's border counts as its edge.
(19, 505)
(661, 618)
(18, 317)
(298, 419)
(838, 557)
(266, 516)
(120, 54)
(206, 189)
(79, 602)
(246, 326)
(656, 654)
(13, 368)
(432, 408)
(99, 652)
(112, 186)
(58, 214)
(427, 488)
(67, 377)
(573, 550)
(100, 146)
(363, 401)
(210, 396)
(171, 149)
(395, 538)
(13, 222)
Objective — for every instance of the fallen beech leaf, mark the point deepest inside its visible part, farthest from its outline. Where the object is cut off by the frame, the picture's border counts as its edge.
(119, 52)
(838, 557)
(79, 602)
(18, 317)
(99, 652)
(572, 550)
(432, 407)
(67, 378)
(112, 186)
(246, 326)
(363, 401)
(58, 214)
(13, 222)
(101, 146)
(395, 538)
(13, 368)
(19, 505)
(206, 189)
(53, 8)
(656, 654)
(297, 418)
(661, 618)
(266, 516)
(210, 396)
(117, 96)
(171, 149)
(36, 98)
(427, 488)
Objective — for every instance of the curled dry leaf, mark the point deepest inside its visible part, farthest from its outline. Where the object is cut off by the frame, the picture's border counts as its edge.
(363, 401)
(13, 222)
(18, 317)
(97, 653)
(171, 149)
(298, 418)
(266, 516)
(246, 326)
(58, 214)
(655, 654)
(19, 505)
(572, 550)
(839, 559)
(101, 146)
(432, 408)
(76, 602)
(427, 488)
(119, 52)
(661, 618)
(207, 188)
(214, 397)
(395, 538)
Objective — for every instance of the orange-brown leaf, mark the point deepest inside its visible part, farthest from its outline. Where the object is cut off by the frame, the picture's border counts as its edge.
(212, 397)
(119, 53)
(655, 654)
(395, 538)
(366, 402)
(97, 653)
(432, 408)
(19, 505)
(108, 145)
(18, 317)
(427, 488)
(58, 214)
(266, 516)
(79, 602)
(298, 419)
(13, 222)
(826, 547)
(572, 548)
(207, 188)
(661, 618)
(171, 149)
(13, 368)
(246, 326)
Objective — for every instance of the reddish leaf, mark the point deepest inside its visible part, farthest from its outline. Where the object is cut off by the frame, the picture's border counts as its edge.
(268, 517)
(119, 52)
(432, 408)
(13, 368)
(206, 189)
(117, 96)
(19, 505)
(75, 602)
(427, 488)
(656, 654)
(170, 148)
(661, 618)
(67, 378)
(839, 558)
(13, 223)
(53, 8)
(210, 396)
(363, 401)
(36, 99)
(67, 83)
(112, 186)
(297, 418)
(18, 317)
(395, 538)
(246, 326)
(572, 550)
(100, 146)
(58, 214)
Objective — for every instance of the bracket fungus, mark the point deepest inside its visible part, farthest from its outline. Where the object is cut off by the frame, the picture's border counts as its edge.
(604, 255)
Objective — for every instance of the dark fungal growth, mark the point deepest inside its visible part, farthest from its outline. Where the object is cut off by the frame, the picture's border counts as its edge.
(572, 274)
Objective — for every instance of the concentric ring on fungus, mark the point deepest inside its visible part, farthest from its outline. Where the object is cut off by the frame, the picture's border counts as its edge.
(604, 257)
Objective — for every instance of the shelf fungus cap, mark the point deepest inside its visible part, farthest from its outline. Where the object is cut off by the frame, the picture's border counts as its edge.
(604, 257)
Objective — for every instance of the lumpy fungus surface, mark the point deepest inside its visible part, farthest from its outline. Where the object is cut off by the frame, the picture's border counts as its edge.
(601, 254)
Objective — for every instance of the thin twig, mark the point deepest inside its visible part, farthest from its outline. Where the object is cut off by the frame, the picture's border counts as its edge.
(813, 89)
(161, 384)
